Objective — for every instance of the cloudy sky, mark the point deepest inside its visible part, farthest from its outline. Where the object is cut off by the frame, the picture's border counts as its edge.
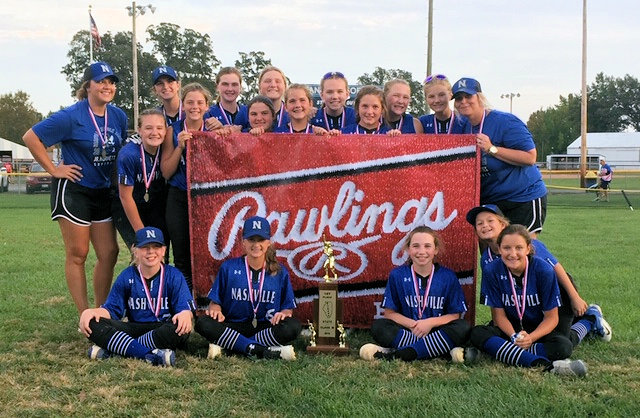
(510, 46)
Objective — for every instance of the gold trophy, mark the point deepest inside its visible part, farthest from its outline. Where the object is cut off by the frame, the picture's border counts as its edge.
(328, 333)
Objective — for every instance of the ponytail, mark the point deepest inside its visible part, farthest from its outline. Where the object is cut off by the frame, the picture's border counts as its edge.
(273, 267)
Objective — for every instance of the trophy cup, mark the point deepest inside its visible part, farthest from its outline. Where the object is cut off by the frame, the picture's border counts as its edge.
(327, 331)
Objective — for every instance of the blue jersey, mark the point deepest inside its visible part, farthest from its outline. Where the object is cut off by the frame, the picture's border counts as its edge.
(73, 128)
(127, 297)
(286, 129)
(129, 165)
(172, 119)
(357, 129)
(405, 123)
(241, 117)
(281, 119)
(543, 293)
(230, 290)
(445, 295)
(179, 178)
(541, 251)
(429, 124)
(500, 180)
(348, 117)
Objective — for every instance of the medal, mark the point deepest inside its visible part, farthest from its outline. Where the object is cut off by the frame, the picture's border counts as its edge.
(342, 118)
(146, 196)
(520, 308)
(416, 285)
(155, 311)
(252, 298)
(104, 153)
(103, 138)
(148, 179)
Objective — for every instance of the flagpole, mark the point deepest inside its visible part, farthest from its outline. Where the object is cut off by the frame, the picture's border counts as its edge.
(90, 39)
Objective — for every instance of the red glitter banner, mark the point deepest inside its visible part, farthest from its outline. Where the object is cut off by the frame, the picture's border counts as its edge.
(364, 193)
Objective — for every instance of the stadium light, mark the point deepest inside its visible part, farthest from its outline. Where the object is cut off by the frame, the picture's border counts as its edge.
(135, 10)
(510, 96)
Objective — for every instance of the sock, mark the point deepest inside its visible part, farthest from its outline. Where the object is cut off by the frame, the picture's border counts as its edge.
(125, 345)
(233, 340)
(265, 337)
(509, 353)
(537, 349)
(403, 339)
(147, 340)
(433, 345)
(582, 328)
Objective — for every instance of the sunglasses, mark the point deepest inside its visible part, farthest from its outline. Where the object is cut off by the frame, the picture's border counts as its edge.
(435, 77)
(333, 74)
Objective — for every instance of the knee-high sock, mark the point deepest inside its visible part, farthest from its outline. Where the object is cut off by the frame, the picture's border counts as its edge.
(509, 353)
(537, 349)
(125, 345)
(582, 328)
(266, 337)
(146, 339)
(403, 339)
(233, 340)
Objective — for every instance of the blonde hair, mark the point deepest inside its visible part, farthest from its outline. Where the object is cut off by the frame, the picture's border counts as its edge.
(148, 112)
(191, 87)
(82, 93)
(387, 88)
(297, 86)
(271, 68)
(272, 265)
(435, 81)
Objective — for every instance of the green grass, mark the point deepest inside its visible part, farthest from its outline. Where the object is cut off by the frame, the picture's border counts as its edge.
(45, 371)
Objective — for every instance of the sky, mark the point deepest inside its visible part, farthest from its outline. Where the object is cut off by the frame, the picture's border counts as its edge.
(533, 48)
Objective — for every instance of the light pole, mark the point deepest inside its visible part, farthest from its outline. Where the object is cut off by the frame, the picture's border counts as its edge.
(133, 12)
(510, 96)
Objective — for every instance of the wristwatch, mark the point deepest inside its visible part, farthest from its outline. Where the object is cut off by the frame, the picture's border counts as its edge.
(493, 150)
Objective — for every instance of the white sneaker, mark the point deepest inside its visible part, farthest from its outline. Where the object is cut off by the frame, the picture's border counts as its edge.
(368, 351)
(601, 326)
(567, 367)
(162, 357)
(286, 351)
(214, 351)
(98, 353)
(464, 355)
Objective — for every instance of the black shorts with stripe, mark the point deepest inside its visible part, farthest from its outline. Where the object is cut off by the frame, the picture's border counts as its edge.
(530, 214)
(79, 204)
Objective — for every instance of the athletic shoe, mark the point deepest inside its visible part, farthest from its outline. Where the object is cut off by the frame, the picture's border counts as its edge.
(596, 199)
(214, 351)
(372, 351)
(568, 367)
(161, 357)
(98, 353)
(284, 352)
(600, 327)
(466, 355)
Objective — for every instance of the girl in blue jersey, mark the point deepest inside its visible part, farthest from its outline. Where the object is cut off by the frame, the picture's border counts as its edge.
(522, 292)
(575, 318)
(509, 177)
(156, 302)
(335, 114)
(369, 106)
(141, 188)
(437, 92)
(297, 102)
(397, 97)
(166, 87)
(195, 101)
(423, 305)
(252, 301)
(261, 115)
(90, 133)
(272, 83)
(227, 111)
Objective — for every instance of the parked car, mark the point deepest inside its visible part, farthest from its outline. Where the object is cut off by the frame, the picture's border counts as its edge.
(4, 179)
(38, 182)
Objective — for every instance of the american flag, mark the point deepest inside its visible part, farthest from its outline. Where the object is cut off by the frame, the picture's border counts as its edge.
(94, 31)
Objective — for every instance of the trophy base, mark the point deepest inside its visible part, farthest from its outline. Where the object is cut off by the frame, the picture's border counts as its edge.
(335, 350)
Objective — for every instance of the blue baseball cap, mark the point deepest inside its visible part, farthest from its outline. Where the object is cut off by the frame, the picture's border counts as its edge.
(471, 215)
(99, 71)
(149, 235)
(164, 70)
(466, 85)
(256, 226)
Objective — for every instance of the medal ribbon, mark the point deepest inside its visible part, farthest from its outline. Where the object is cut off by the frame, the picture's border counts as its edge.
(306, 131)
(416, 286)
(365, 133)
(520, 308)
(281, 115)
(254, 306)
(224, 114)
(155, 311)
(326, 119)
(148, 180)
(484, 113)
(435, 123)
(489, 254)
(164, 112)
(187, 129)
(103, 139)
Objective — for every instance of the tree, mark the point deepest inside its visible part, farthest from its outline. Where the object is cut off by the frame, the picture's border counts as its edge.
(17, 115)
(555, 128)
(188, 51)
(250, 64)
(380, 76)
(115, 50)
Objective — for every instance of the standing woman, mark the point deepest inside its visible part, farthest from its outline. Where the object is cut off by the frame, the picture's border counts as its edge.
(297, 100)
(397, 96)
(195, 101)
(335, 114)
(272, 83)
(369, 105)
(90, 132)
(437, 92)
(227, 111)
(509, 177)
(166, 87)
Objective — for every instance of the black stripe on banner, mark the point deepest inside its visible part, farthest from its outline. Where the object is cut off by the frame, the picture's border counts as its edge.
(334, 174)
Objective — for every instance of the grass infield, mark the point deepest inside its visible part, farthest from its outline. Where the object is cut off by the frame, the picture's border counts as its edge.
(45, 371)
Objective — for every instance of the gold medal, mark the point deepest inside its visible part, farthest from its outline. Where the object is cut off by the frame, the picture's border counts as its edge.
(146, 196)
(254, 322)
(104, 153)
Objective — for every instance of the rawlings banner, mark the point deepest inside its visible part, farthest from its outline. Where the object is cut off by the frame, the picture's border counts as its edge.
(364, 193)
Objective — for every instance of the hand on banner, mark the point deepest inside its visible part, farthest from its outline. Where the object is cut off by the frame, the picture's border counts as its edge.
(394, 132)
(183, 137)
(212, 124)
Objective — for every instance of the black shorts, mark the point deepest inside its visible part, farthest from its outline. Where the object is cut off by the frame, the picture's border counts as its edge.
(530, 214)
(604, 184)
(78, 204)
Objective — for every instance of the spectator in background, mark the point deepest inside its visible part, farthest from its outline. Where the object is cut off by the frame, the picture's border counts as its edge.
(605, 175)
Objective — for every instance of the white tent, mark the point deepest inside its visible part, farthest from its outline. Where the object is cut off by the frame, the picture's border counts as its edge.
(620, 149)
(18, 152)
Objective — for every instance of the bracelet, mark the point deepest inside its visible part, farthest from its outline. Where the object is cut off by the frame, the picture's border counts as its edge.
(514, 337)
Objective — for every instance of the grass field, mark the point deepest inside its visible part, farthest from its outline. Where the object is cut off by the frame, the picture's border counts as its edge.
(45, 370)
